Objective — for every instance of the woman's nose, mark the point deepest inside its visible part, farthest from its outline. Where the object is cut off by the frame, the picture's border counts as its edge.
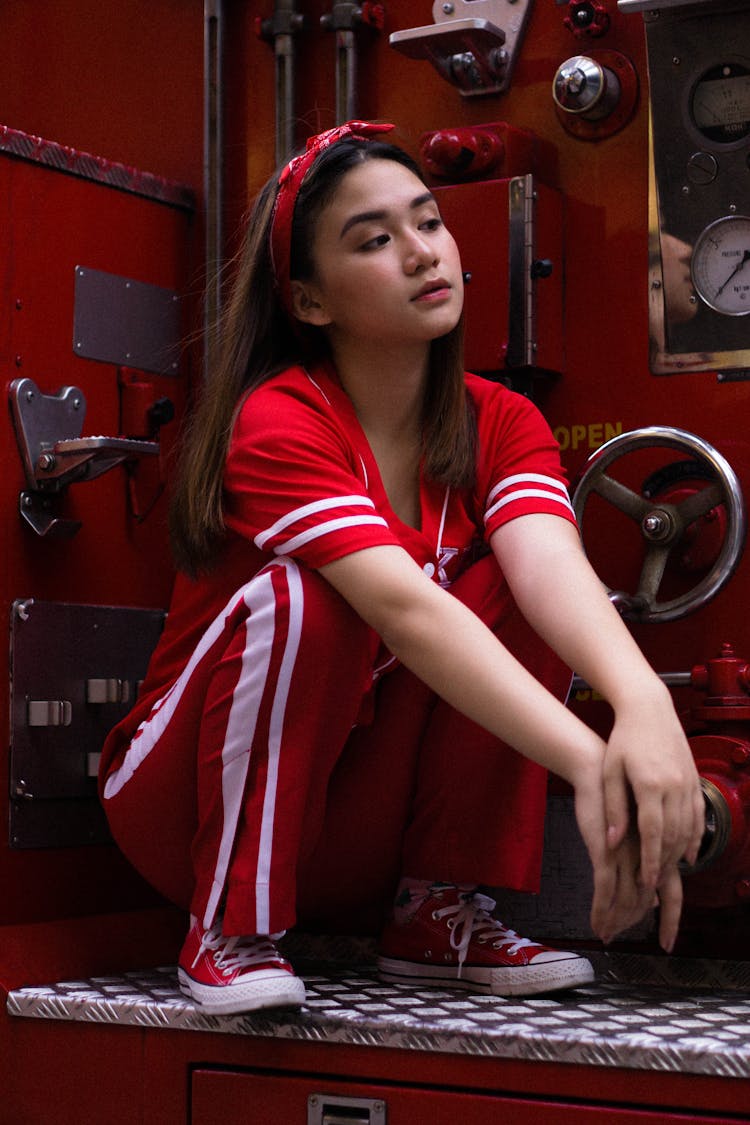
(420, 253)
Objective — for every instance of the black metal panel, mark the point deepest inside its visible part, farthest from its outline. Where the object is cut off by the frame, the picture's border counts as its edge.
(64, 660)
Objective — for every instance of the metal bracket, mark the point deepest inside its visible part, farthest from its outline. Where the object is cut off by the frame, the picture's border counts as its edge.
(54, 455)
(473, 44)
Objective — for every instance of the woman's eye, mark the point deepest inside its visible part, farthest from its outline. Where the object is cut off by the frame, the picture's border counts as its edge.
(374, 243)
(431, 224)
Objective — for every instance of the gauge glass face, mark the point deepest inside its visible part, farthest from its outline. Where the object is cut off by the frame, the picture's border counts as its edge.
(721, 265)
(720, 105)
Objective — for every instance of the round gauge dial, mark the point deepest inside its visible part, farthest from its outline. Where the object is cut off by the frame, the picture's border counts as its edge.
(720, 265)
(720, 103)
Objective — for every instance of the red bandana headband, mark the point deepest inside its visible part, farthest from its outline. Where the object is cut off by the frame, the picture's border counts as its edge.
(290, 182)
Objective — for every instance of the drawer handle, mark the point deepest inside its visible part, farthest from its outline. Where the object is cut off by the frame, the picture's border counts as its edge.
(329, 1109)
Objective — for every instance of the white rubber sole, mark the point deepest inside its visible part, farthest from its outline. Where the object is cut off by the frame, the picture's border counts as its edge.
(268, 988)
(515, 980)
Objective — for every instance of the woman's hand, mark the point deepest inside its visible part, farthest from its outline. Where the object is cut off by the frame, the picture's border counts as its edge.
(648, 756)
(620, 899)
(647, 760)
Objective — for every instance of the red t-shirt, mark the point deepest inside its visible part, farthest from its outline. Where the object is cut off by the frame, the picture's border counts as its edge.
(301, 480)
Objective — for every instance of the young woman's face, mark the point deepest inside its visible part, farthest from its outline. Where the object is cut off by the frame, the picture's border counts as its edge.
(386, 268)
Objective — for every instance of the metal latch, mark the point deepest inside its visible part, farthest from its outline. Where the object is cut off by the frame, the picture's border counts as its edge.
(473, 44)
(49, 713)
(328, 1109)
(54, 455)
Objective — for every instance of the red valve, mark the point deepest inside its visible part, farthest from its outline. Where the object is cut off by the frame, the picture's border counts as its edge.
(478, 152)
(373, 15)
(726, 682)
(722, 757)
(462, 152)
(586, 19)
(721, 874)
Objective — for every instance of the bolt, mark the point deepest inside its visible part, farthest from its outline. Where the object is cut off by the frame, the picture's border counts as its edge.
(740, 754)
(676, 60)
(19, 361)
(29, 396)
(46, 462)
(448, 9)
(742, 887)
(653, 524)
(76, 404)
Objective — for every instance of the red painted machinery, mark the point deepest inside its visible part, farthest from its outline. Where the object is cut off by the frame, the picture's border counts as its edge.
(593, 160)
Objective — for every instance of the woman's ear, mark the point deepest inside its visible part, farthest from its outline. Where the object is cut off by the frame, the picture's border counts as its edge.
(307, 305)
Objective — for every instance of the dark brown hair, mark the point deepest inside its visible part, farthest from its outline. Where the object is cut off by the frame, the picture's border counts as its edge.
(255, 342)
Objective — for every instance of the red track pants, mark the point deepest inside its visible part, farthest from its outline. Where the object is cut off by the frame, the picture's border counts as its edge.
(278, 782)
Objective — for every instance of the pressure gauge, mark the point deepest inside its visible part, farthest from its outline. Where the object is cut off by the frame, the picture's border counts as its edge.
(720, 265)
(720, 103)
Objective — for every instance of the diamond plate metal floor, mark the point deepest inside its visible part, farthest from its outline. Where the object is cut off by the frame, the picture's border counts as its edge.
(645, 1026)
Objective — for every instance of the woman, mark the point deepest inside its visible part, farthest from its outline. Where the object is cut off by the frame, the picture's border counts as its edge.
(381, 591)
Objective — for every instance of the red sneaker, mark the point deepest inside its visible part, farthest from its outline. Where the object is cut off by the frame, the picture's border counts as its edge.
(235, 974)
(453, 940)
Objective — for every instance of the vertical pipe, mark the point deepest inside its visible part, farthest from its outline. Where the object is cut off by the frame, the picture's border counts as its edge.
(284, 19)
(213, 153)
(346, 76)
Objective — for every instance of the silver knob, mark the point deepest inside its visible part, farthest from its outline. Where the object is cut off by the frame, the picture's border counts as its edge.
(581, 86)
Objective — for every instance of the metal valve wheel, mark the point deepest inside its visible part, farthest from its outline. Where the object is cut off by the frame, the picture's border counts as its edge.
(663, 525)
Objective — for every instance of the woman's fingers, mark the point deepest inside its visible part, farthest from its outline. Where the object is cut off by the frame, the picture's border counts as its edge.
(616, 803)
(670, 901)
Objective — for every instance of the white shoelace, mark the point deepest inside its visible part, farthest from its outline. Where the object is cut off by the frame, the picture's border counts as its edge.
(472, 916)
(232, 953)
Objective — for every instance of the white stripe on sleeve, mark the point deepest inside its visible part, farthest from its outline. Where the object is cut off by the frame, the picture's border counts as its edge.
(560, 496)
(310, 510)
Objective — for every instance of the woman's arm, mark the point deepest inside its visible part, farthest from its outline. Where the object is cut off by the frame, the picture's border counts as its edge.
(452, 651)
(562, 598)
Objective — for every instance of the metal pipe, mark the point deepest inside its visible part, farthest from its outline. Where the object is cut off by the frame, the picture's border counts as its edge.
(346, 76)
(285, 22)
(213, 172)
(671, 679)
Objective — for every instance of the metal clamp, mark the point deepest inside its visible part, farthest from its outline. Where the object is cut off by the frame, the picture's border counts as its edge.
(54, 455)
(473, 44)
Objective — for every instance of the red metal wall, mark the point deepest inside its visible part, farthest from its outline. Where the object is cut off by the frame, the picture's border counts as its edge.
(124, 83)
